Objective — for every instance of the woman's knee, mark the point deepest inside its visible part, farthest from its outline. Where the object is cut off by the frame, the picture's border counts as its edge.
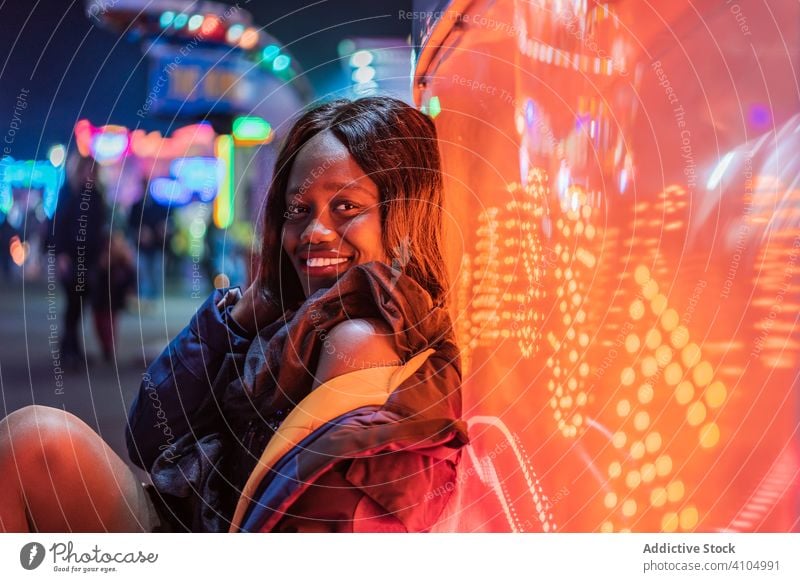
(40, 438)
(70, 478)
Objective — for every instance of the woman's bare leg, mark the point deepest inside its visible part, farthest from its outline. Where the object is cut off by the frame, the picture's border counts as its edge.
(58, 475)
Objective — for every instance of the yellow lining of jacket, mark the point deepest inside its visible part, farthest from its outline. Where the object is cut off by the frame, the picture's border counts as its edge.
(337, 396)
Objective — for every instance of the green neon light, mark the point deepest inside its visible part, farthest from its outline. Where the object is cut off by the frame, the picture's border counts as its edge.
(223, 203)
(251, 129)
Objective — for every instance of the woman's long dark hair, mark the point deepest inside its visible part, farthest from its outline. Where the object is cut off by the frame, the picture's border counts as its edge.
(395, 145)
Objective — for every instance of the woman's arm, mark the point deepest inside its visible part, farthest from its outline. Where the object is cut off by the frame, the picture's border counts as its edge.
(181, 378)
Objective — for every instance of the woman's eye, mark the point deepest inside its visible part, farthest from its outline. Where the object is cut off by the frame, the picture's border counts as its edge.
(346, 207)
(294, 211)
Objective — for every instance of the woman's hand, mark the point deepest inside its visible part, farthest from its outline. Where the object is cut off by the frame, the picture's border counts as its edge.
(255, 309)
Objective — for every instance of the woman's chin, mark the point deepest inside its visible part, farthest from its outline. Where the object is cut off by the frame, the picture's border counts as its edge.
(314, 284)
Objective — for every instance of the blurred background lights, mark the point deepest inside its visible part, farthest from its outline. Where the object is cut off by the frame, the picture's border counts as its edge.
(361, 58)
(280, 63)
(270, 52)
(363, 89)
(221, 281)
(249, 39)
(363, 74)
(19, 250)
(180, 21)
(346, 47)
(223, 212)
(251, 129)
(234, 33)
(57, 154)
(166, 19)
(109, 146)
(211, 25)
(30, 175)
(195, 22)
(198, 175)
(169, 192)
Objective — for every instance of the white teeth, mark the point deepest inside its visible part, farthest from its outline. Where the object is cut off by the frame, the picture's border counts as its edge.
(323, 262)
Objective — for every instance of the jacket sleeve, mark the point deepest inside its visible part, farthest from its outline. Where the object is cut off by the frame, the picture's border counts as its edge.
(398, 492)
(179, 380)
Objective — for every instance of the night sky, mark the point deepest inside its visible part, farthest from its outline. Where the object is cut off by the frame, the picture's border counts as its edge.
(67, 68)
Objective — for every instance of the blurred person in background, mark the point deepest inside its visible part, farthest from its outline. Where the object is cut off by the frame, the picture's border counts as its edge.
(113, 280)
(148, 224)
(78, 230)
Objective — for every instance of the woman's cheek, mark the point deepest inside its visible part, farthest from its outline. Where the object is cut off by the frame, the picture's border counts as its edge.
(366, 226)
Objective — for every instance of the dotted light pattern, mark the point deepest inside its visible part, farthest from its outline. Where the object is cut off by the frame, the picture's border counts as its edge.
(508, 252)
(566, 336)
(662, 358)
(579, 14)
(488, 475)
(780, 477)
(508, 273)
(776, 283)
(523, 259)
(546, 53)
(500, 290)
(463, 321)
(661, 355)
(485, 320)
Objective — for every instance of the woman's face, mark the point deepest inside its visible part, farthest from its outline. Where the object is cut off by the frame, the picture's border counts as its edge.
(333, 219)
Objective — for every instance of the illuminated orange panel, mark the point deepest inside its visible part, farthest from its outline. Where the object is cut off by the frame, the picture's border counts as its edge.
(625, 250)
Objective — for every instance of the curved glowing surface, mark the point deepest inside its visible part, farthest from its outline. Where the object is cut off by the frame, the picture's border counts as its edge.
(622, 186)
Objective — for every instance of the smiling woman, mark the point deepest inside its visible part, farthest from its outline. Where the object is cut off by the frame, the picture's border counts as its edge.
(345, 411)
(325, 398)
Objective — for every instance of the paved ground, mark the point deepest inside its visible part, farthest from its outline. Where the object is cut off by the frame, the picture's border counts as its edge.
(98, 392)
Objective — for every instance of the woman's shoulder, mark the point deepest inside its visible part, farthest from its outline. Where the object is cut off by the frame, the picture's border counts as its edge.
(355, 344)
(357, 333)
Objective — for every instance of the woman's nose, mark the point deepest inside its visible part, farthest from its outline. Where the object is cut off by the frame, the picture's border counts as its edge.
(316, 232)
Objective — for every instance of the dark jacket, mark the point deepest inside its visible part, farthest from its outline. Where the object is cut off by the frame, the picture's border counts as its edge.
(79, 229)
(366, 468)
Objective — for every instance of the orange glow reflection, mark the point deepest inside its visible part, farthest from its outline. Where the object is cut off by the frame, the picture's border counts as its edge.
(625, 269)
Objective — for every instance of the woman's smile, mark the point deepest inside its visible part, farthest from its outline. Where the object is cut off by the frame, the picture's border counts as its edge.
(323, 264)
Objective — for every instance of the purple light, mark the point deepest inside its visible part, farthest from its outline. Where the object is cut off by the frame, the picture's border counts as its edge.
(759, 115)
(169, 192)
